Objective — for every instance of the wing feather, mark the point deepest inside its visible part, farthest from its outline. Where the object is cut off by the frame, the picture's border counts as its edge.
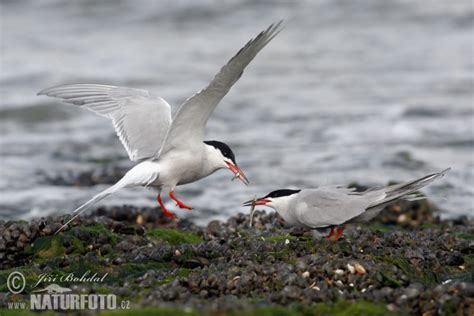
(190, 120)
(329, 206)
(140, 119)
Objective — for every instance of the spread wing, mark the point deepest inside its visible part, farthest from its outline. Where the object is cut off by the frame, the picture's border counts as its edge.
(141, 120)
(190, 121)
(329, 206)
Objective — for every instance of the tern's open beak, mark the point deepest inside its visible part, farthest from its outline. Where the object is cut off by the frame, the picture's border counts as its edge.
(237, 172)
(260, 201)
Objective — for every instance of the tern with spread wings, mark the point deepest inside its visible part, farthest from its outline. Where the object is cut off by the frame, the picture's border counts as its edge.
(170, 152)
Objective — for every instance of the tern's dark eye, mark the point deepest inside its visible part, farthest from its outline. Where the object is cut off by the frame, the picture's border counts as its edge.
(283, 192)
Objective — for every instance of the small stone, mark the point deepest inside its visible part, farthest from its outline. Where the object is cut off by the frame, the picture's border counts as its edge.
(455, 260)
(468, 290)
(117, 261)
(139, 220)
(47, 230)
(402, 218)
(360, 269)
(132, 230)
(195, 263)
(412, 293)
(23, 238)
(314, 286)
(106, 249)
(214, 228)
(339, 272)
(391, 307)
(350, 268)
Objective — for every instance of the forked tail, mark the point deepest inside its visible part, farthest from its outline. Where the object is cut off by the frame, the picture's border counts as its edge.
(407, 190)
(99, 197)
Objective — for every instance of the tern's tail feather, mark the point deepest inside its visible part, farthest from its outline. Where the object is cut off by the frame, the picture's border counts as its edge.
(102, 195)
(408, 190)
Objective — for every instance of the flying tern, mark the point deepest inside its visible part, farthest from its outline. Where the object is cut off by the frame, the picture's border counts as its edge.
(170, 152)
(331, 207)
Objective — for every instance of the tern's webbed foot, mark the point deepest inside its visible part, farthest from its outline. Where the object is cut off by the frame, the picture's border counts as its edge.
(331, 232)
(182, 205)
(339, 231)
(167, 213)
(178, 202)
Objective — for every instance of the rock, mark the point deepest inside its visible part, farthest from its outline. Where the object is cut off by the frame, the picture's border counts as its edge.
(359, 269)
(214, 228)
(195, 263)
(454, 259)
(351, 268)
(412, 293)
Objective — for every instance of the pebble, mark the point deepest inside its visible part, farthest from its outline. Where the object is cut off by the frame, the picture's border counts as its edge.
(359, 269)
(350, 268)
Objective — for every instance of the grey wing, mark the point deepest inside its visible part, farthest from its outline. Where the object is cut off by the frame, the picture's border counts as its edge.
(329, 206)
(141, 120)
(190, 120)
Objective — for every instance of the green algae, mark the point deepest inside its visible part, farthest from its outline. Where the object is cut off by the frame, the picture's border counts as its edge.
(384, 228)
(97, 230)
(280, 238)
(180, 273)
(138, 269)
(174, 237)
(48, 247)
(465, 235)
(423, 276)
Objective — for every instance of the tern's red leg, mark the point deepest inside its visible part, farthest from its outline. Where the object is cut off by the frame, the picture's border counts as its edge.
(178, 202)
(331, 232)
(163, 208)
(339, 231)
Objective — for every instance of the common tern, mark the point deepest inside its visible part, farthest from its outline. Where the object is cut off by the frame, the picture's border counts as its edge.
(170, 152)
(331, 207)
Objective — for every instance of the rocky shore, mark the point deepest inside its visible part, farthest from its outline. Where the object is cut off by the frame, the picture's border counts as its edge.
(407, 261)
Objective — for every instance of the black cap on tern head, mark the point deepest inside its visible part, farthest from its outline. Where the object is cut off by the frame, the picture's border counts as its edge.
(282, 192)
(224, 149)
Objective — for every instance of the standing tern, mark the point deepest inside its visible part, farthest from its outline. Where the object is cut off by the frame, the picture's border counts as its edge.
(170, 152)
(331, 207)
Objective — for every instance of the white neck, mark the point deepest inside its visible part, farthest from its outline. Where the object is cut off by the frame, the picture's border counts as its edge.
(213, 160)
(283, 206)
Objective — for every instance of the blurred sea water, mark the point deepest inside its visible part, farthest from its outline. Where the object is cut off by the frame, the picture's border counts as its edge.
(366, 91)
